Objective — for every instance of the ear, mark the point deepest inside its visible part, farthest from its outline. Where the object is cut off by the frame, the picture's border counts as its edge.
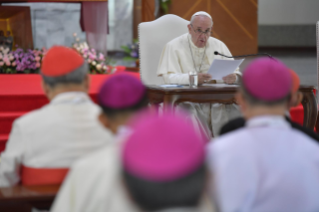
(104, 120)
(189, 28)
(46, 89)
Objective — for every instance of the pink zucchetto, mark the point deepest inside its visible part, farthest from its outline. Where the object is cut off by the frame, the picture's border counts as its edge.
(267, 79)
(162, 148)
(121, 91)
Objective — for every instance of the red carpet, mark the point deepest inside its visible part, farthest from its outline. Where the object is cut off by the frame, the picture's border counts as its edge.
(21, 93)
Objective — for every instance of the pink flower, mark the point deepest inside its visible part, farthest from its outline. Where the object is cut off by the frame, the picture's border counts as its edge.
(37, 58)
(6, 59)
(1, 63)
(101, 56)
(37, 65)
(92, 56)
(8, 63)
(14, 64)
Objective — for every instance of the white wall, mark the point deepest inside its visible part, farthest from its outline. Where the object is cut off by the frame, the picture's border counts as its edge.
(288, 12)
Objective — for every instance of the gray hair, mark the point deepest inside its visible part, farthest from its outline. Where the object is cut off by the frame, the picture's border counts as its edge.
(194, 16)
(75, 77)
(255, 101)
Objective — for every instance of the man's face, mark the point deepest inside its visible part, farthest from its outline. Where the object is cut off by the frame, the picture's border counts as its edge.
(200, 30)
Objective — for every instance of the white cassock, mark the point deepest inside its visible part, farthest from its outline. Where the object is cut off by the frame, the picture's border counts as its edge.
(53, 136)
(265, 166)
(175, 64)
(95, 183)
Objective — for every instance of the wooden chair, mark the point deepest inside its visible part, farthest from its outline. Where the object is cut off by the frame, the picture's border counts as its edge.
(24, 198)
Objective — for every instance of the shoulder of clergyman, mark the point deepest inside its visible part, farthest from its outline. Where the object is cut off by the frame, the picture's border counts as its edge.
(180, 40)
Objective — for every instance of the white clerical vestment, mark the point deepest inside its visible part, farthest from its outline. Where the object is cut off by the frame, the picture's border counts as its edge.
(95, 183)
(265, 166)
(53, 136)
(175, 64)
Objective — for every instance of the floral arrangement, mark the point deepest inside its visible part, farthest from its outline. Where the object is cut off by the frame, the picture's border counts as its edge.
(164, 5)
(20, 61)
(131, 50)
(98, 63)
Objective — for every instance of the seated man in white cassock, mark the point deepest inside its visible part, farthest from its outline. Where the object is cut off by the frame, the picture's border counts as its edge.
(191, 52)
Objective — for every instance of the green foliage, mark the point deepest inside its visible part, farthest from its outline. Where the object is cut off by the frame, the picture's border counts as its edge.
(126, 49)
(165, 5)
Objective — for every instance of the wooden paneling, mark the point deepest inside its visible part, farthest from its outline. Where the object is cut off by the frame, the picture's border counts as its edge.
(17, 20)
(235, 22)
(137, 17)
(148, 8)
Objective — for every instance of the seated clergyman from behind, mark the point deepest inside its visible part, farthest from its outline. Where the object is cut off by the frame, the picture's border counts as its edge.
(94, 182)
(295, 99)
(266, 165)
(194, 51)
(163, 165)
(44, 143)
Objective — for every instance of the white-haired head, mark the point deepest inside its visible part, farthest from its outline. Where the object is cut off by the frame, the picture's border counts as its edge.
(201, 13)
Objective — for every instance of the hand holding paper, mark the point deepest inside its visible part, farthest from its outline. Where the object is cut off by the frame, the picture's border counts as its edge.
(223, 68)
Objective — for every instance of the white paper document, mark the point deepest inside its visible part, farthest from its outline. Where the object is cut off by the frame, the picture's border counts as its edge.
(220, 68)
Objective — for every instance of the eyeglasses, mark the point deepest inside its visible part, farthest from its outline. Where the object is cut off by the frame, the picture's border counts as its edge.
(199, 31)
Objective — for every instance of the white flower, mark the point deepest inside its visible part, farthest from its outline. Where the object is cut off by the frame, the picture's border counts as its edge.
(74, 34)
(98, 67)
(6, 50)
(11, 57)
(104, 67)
(93, 63)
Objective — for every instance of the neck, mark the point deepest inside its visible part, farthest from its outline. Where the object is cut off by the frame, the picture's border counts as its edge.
(119, 121)
(65, 88)
(255, 111)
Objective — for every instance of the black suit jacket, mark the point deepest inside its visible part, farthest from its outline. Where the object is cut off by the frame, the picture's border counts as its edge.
(240, 122)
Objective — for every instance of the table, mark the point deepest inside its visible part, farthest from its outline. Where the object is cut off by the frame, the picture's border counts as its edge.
(24, 198)
(223, 94)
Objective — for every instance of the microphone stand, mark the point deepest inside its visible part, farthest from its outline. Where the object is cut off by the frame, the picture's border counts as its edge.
(247, 55)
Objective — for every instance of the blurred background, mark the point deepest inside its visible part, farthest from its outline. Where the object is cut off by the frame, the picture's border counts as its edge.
(283, 28)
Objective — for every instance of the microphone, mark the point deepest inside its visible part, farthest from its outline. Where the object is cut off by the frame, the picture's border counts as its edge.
(247, 55)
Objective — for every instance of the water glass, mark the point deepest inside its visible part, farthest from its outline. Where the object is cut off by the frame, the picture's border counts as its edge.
(193, 79)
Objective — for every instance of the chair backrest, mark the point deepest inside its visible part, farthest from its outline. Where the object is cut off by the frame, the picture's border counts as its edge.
(152, 37)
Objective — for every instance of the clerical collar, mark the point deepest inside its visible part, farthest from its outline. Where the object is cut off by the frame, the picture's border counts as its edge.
(182, 209)
(268, 121)
(71, 98)
(189, 37)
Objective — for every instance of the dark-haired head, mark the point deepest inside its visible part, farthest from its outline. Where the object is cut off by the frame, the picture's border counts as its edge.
(163, 162)
(265, 88)
(180, 193)
(120, 97)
